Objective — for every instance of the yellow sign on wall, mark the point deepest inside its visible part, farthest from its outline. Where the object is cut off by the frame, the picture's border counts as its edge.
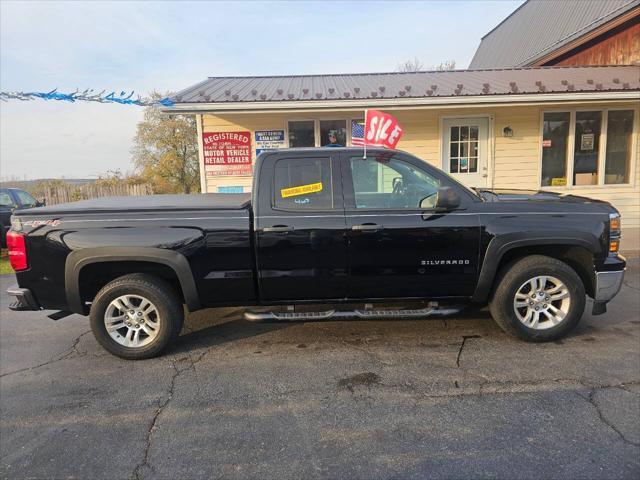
(301, 190)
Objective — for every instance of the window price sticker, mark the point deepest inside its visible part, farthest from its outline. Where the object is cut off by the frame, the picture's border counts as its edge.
(301, 190)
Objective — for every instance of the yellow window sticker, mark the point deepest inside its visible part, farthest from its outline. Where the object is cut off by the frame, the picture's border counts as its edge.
(301, 190)
(558, 182)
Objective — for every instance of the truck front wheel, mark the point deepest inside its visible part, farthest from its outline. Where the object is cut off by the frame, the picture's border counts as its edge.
(538, 299)
(136, 316)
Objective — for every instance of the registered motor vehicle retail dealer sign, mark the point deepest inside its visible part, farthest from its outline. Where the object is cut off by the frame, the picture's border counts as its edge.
(227, 153)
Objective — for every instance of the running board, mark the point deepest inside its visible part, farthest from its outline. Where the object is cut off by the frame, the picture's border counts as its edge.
(350, 314)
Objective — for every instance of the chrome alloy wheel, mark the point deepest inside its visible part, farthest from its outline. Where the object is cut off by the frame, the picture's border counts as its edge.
(542, 302)
(132, 321)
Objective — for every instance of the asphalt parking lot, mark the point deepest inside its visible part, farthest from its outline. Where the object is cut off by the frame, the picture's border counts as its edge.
(453, 398)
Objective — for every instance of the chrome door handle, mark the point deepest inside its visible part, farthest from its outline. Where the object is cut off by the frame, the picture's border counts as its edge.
(278, 228)
(367, 227)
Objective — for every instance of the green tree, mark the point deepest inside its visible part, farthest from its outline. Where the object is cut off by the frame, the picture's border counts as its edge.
(165, 151)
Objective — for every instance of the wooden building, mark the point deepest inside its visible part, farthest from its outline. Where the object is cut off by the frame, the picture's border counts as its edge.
(564, 32)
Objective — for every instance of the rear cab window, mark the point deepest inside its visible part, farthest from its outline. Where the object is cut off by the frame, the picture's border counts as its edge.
(303, 184)
(5, 200)
(26, 200)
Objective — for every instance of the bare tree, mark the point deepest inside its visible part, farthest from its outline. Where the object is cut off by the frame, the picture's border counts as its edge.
(446, 65)
(414, 65)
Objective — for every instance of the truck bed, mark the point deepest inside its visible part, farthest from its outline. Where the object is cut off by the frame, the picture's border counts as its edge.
(208, 201)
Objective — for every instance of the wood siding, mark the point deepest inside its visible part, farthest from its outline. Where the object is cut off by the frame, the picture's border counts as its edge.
(620, 46)
(514, 162)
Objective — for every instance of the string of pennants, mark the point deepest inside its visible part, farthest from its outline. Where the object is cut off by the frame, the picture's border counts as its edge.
(88, 95)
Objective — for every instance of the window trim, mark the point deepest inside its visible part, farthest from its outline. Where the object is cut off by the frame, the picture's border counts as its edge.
(602, 151)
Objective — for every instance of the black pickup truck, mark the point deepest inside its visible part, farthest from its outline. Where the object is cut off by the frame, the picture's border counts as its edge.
(326, 227)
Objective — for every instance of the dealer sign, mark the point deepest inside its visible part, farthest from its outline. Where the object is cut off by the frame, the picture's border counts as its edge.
(227, 153)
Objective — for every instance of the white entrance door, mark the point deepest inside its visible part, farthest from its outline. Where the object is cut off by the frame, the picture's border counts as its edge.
(465, 149)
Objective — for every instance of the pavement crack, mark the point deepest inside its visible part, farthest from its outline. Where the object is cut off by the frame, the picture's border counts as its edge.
(591, 399)
(464, 341)
(70, 352)
(136, 475)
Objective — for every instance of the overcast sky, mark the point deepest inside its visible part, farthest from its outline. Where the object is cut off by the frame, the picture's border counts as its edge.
(167, 46)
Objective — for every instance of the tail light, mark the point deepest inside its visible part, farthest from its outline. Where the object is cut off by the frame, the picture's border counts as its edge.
(17, 251)
(615, 230)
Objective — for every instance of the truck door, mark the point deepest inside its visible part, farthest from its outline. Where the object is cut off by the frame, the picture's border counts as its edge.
(398, 245)
(300, 227)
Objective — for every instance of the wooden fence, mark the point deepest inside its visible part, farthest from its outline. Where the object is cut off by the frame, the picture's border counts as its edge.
(72, 193)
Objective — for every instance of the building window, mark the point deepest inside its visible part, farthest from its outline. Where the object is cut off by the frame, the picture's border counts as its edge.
(319, 133)
(619, 137)
(333, 129)
(555, 132)
(587, 147)
(302, 133)
(463, 148)
(580, 145)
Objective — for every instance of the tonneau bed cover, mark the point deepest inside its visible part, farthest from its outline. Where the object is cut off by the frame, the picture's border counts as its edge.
(207, 201)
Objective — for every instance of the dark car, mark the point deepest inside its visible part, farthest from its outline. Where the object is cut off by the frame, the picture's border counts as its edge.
(13, 199)
(326, 227)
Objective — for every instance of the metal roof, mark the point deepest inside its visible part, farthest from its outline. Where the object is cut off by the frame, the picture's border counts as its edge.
(379, 86)
(539, 27)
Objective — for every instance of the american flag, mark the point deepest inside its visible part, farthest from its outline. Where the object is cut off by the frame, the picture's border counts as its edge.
(357, 134)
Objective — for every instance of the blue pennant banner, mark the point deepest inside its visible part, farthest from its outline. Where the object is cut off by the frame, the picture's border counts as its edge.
(87, 96)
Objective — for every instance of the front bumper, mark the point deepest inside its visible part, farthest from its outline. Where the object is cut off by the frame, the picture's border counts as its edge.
(608, 285)
(24, 299)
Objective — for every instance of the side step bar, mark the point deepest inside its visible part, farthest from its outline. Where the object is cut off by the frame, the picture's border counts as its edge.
(350, 314)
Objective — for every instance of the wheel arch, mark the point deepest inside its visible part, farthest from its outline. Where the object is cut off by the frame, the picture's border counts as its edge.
(177, 263)
(577, 251)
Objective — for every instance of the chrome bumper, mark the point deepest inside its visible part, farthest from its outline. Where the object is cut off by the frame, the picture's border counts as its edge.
(608, 285)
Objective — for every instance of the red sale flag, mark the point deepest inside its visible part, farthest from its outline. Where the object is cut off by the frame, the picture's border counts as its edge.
(381, 129)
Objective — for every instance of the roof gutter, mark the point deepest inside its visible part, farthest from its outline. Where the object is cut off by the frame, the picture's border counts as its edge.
(404, 103)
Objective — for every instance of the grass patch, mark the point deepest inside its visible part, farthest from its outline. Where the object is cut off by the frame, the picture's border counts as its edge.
(5, 267)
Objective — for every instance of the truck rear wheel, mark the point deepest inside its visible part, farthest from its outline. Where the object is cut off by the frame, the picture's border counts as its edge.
(136, 316)
(538, 299)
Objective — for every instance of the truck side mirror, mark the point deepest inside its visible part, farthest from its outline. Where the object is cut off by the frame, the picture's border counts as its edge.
(447, 199)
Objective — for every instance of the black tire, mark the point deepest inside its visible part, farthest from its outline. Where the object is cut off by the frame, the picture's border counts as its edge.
(170, 314)
(514, 275)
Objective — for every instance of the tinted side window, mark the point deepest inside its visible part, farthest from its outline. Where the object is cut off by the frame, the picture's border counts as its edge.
(25, 199)
(303, 184)
(392, 183)
(5, 200)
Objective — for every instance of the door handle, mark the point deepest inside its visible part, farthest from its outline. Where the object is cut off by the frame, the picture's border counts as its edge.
(367, 227)
(278, 228)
